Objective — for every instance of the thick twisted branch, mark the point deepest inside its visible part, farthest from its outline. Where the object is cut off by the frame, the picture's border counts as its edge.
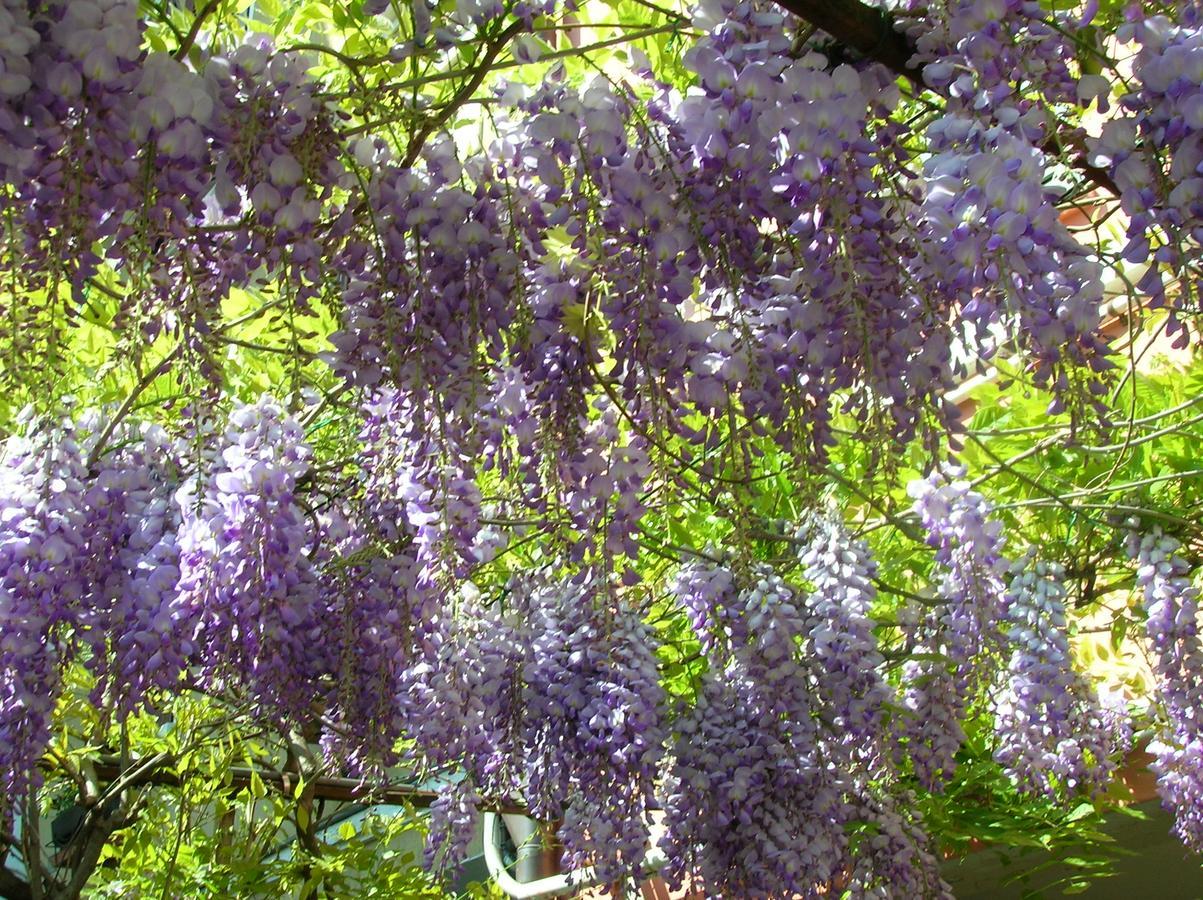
(870, 32)
(867, 30)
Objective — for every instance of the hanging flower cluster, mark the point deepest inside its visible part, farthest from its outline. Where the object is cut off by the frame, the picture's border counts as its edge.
(593, 723)
(963, 632)
(1052, 734)
(44, 535)
(768, 775)
(1155, 150)
(245, 572)
(1172, 606)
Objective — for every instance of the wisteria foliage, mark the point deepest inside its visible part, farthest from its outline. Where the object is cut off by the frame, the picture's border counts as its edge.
(616, 298)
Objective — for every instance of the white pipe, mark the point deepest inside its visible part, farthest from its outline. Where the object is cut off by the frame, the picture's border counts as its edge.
(554, 885)
(524, 832)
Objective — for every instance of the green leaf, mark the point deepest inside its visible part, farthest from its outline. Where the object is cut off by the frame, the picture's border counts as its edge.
(1119, 630)
(1081, 811)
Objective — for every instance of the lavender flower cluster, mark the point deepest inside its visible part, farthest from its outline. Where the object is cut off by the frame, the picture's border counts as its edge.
(785, 748)
(1053, 737)
(1155, 149)
(245, 572)
(1052, 734)
(44, 532)
(1002, 67)
(461, 702)
(962, 634)
(593, 723)
(841, 639)
(1172, 605)
(113, 155)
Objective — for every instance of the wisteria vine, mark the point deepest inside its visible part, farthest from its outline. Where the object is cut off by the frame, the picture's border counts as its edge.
(632, 291)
